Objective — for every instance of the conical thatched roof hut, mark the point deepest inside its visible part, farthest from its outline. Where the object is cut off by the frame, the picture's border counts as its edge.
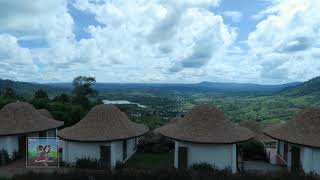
(205, 124)
(22, 118)
(103, 123)
(303, 129)
(105, 133)
(299, 141)
(205, 135)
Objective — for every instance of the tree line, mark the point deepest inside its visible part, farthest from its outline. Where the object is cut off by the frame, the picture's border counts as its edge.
(69, 108)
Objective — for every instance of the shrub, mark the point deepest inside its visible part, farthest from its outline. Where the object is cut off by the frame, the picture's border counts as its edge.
(120, 165)
(87, 163)
(164, 174)
(4, 157)
(170, 174)
(15, 156)
(65, 164)
(203, 166)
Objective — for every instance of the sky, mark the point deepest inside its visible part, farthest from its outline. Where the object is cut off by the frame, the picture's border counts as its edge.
(160, 41)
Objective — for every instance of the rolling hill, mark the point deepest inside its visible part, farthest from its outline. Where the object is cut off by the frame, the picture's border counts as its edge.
(27, 89)
(311, 87)
(199, 87)
(291, 89)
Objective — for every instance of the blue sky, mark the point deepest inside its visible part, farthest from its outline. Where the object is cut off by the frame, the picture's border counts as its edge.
(255, 41)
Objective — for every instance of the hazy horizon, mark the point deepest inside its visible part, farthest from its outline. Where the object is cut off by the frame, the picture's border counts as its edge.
(179, 83)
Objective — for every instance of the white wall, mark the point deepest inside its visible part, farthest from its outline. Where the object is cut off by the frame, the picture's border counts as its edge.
(131, 147)
(316, 161)
(116, 152)
(9, 143)
(310, 159)
(74, 150)
(221, 156)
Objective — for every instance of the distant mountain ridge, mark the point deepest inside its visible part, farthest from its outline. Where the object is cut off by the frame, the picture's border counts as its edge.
(28, 89)
(307, 88)
(247, 87)
(202, 86)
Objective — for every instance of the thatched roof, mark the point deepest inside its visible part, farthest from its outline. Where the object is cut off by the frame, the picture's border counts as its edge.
(205, 124)
(257, 129)
(271, 126)
(156, 131)
(103, 123)
(303, 129)
(45, 113)
(22, 118)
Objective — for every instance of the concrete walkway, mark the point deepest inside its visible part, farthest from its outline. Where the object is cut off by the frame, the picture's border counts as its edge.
(263, 167)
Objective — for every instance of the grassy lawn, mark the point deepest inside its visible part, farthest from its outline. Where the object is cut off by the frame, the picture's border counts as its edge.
(151, 160)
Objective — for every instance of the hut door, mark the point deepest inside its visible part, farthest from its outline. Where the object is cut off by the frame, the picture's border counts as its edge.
(295, 159)
(22, 145)
(285, 151)
(124, 150)
(182, 157)
(105, 155)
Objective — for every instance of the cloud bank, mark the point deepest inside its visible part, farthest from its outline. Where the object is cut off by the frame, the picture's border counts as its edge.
(157, 41)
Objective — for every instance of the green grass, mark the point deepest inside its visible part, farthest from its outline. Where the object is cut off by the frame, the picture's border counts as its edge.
(151, 160)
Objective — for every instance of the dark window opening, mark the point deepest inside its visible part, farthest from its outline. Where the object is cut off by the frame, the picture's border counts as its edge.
(124, 149)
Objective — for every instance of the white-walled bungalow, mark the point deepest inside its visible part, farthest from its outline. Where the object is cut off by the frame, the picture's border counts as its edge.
(20, 120)
(205, 135)
(105, 134)
(298, 141)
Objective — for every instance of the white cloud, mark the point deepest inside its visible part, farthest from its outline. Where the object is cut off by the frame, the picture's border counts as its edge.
(235, 16)
(159, 41)
(162, 38)
(14, 60)
(30, 19)
(285, 39)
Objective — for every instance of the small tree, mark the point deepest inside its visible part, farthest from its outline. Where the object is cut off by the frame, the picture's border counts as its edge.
(82, 89)
(40, 99)
(64, 98)
(41, 94)
(9, 93)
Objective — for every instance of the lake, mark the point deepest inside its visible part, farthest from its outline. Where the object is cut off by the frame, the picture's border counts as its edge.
(123, 102)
